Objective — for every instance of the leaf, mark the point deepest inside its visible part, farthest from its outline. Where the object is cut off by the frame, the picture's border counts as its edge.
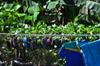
(62, 2)
(20, 14)
(11, 6)
(35, 16)
(52, 5)
(7, 6)
(35, 8)
(31, 10)
(1, 13)
(0, 7)
(28, 17)
(80, 2)
(16, 7)
(93, 6)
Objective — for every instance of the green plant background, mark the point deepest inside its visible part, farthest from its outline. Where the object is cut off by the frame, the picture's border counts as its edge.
(48, 17)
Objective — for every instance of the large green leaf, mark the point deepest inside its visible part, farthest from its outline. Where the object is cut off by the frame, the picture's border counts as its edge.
(80, 2)
(1, 13)
(11, 6)
(20, 14)
(28, 17)
(72, 2)
(35, 15)
(35, 8)
(52, 5)
(16, 7)
(93, 6)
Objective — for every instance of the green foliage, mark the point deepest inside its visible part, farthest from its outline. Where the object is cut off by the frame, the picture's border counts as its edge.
(93, 6)
(11, 18)
(14, 21)
(53, 10)
(35, 17)
(34, 11)
(70, 28)
(34, 8)
(52, 5)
